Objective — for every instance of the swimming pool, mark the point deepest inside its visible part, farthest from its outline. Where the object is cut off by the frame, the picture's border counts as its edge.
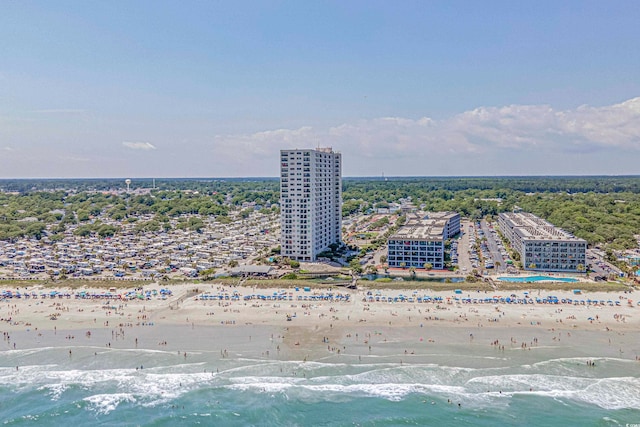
(531, 279)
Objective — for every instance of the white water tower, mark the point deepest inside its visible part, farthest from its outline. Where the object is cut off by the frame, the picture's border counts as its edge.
(128, 182)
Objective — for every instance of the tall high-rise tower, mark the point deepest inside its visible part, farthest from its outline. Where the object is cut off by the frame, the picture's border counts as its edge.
(310, 202)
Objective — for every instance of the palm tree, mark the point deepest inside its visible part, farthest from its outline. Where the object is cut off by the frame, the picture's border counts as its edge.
(532, 266)
(412, 270)
(403, 264)
(427, 266)
(580, 268)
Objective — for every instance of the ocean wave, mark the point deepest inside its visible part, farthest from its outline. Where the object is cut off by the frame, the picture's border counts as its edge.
(522, 382)
(150, 387)
(580, 361)
(607, 393)
(322, 381)
(54, 390)
(394, 392)
(105, 403)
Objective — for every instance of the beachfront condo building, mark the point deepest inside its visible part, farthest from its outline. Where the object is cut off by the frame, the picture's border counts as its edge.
(541, 245)
(422, 239)
(310, 202)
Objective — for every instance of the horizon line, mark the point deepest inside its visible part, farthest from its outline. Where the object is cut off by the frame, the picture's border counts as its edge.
(380, 177)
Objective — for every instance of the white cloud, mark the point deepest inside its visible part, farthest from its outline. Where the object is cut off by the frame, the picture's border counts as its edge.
(145, 146)
(482, 130)
(7, 148)
(485, 135)
(262, 145)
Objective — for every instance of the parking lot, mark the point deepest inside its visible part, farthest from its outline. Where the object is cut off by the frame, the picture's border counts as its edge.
(598, 266)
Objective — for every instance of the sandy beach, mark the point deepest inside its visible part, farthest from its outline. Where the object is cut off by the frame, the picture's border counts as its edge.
(310, 325)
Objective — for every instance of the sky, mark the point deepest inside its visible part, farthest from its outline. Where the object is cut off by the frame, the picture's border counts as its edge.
(400, 88)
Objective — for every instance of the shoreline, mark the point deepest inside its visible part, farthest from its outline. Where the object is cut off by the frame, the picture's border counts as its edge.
(337, 329)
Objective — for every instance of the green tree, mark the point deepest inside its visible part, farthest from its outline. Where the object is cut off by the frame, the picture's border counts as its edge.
(107, 230)
(294, 264)
(355, 266)
(56, 237)
(83, 215)
(35, 229)
(196, 224)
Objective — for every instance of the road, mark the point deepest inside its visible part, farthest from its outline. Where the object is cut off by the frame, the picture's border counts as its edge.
(494, 250)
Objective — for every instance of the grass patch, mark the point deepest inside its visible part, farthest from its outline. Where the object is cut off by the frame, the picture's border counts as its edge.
(25, 283)
(558, 286)
(271, 283)
(433, 286)
(381, 283)
(367, 236)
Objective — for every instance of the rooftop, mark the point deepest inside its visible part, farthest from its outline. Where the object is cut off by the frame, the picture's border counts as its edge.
(531, 227)
(430, 226)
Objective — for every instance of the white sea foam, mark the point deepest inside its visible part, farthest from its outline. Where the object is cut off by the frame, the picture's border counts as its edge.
(607, 393)
(565, 380)
(267, 387)
(394, 382)
(150, 386)
(426, 374)
(613, 393)
(168, 386)
(389, 391)
(572, 361)
(55, 390)
(105, 403)
(523, 382)
(330, 391)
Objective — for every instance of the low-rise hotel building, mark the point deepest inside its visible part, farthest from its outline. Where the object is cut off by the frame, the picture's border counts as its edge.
(541, 245)
(422, 239)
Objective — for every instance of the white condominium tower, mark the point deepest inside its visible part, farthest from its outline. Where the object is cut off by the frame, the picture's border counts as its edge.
(310, 202)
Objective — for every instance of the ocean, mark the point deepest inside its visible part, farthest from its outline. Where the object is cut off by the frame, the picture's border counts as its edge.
(99, 386)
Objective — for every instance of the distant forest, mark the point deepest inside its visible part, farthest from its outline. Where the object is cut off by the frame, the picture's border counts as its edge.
(571, 184)
(604, 210)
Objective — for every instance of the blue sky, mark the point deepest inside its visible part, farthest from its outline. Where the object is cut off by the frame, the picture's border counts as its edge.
(216, 88)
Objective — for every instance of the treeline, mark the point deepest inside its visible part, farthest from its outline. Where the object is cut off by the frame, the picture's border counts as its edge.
(206, 185)
(602, 210)
(531, 184)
